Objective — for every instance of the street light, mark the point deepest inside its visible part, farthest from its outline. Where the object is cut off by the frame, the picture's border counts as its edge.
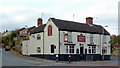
(103, 43)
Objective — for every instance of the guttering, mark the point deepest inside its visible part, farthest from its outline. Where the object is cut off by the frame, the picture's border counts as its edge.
(59, 43)
(43, 44)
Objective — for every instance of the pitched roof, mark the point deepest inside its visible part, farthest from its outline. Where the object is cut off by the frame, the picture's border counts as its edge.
(38, 29)
(21, 29)
(29, 29)
(79, 27)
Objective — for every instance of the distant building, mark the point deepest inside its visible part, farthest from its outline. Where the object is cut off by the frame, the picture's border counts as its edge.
(6, 33)
(83, 41)
(24, 32)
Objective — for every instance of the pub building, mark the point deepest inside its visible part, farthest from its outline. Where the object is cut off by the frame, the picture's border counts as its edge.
(61, 38)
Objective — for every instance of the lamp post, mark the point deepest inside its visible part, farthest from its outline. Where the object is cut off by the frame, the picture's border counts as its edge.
(103, 43)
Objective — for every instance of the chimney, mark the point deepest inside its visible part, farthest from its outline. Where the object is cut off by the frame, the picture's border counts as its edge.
(39, 21)
(89, 20)
(6, 30)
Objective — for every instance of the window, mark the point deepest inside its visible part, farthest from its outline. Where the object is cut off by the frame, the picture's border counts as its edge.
(66, 49)
(14, 43)
(77, 51)
(33, 36)
(104, 39)
(38, 49)
(91, 38)
(38, 37)
(52, 48)
(70, 49)
(85, 51)
(69, 36)
(66, 38)
(89, 49)
(93, 49)
(49, 30)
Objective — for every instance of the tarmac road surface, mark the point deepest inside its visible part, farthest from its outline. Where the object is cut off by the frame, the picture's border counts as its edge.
(11, 60)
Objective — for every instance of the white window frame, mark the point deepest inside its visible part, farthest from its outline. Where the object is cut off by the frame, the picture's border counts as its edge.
(104, 39)
(69, 49)
(91, 38)
(38, 36)
(38, 49)
(92, 49)
(69, 36)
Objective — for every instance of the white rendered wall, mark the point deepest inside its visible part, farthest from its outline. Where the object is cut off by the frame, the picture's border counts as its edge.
(51, 40)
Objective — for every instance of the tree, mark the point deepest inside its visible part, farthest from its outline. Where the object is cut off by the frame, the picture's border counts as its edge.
(5, 40)
(13, 34)
(114, 40)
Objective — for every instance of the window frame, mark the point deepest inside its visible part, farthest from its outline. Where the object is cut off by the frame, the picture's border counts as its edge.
(69, 36)
(93, 49)
(66, 38)
(49, 30)
(33, 36)
(38, 37)
(70, 49)
(104, 39)
(91, 38)
(38, 49)
(52, 49)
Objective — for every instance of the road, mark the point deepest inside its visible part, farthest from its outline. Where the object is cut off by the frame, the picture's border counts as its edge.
(10, 60)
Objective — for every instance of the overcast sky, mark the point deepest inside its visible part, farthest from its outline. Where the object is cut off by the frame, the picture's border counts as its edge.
(16, 14)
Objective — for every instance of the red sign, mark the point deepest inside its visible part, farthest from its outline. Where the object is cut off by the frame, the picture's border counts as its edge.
(81, 38)
(102, 46)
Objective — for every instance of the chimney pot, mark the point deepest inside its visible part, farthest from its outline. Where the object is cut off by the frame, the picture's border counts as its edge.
(89, 20)
(39, 21)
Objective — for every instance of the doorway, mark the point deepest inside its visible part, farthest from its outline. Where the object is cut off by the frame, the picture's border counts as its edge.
(81, 50)
(81, 53)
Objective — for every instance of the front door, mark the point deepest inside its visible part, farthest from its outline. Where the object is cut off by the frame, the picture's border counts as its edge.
(81, 53)
(81, 50)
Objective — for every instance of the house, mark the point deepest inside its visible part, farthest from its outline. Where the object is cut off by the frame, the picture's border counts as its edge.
(6, 33)
(61, 38)
(24, 32)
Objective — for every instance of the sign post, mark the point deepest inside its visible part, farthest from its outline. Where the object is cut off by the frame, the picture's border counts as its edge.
(103, 52)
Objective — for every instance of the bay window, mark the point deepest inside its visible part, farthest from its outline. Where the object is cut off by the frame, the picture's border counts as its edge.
(92, 49)
(69, 49)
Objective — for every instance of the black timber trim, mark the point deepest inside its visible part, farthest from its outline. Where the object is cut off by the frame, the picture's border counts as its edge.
(74, 57)
(91, 44)
(69, 44)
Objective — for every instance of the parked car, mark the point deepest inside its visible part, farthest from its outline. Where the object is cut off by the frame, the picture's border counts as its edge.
(7, 48)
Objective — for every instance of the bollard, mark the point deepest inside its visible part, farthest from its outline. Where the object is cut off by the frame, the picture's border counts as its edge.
(56, 58)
